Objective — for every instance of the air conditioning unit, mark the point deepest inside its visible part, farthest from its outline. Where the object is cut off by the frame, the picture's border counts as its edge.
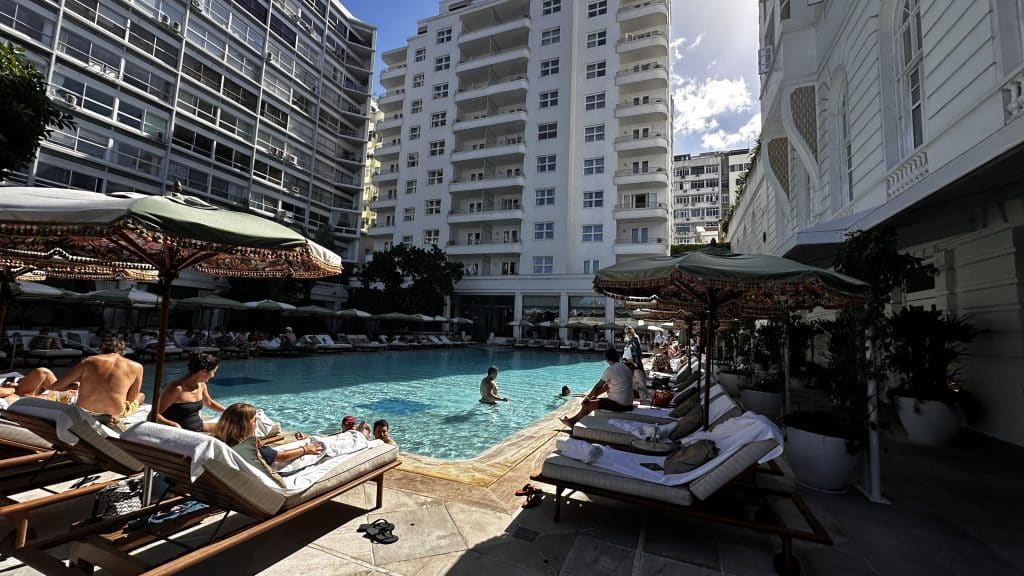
(285, 216)
(764, 60)
(295, 190)
(164, 19)
(71, 100)
(176, 27)
(293, 160)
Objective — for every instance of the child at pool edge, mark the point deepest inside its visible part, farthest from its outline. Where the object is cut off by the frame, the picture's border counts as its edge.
(488, 389)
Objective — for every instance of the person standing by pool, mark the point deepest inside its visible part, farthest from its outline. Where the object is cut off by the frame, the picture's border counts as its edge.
(488, 389)
(616, 381)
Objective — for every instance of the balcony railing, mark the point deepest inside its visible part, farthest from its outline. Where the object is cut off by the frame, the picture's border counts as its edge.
(640, 36)
(491, 83)
(631, 104)
(629, 172)
(492, 115)
(631, 138)
(494, 144)
(485, 178)
(490, 54)
(479, 242)
(638, 5)
(640, 205)
(487, 211)
(640, 68)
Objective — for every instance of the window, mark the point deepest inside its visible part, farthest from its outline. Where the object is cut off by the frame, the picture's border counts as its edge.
(416, 106)
(438, 119)
(593, 166)
(593, 133)
(543, 264)
(551, 36)
(594, 101)
(547, 131)
(550, 7)
(409, 215)
(908, 42)
(543, 230)
(591, 266)
(442, 62)
(845, 142)
(440, 90)
(597, 8)
(593, 199)
(435, 176)
(412, 160)
(549, 99)
(508, 268)
(437, 148)
(549, 67)
(433, 206)
(546, 163)
(414, 133)
(596, 70)
(595, 39)
(420, 55)
(417, 80)
(410, 186)
(444, 35)
(430, 237)
(406, 239)
(593, 232)
(545, 197)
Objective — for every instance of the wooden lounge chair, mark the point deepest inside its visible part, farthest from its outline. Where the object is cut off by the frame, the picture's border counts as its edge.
(226, 483)
(551, 344)
(706, 497)
(394, 344)
(361, 342)
(598, 428)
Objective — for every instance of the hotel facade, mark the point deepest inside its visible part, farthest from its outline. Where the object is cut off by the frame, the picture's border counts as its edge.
(531, 141)
(704, 186)
(910, 114)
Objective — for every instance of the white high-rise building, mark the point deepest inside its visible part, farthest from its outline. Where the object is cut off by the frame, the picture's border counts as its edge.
(531, 141)
(703, 188)
(251, 104)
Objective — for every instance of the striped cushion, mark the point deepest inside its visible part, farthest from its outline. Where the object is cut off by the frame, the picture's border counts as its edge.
(597, 429)
(110, 456)
(557, 467)
(730, 468)
(359, 464)
(246, 483)
(14, 434)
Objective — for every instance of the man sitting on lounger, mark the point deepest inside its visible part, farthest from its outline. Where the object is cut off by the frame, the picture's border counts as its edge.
(108, 383)
(617, 381)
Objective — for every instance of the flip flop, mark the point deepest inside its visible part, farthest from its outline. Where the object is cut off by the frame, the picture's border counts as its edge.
(383, 536)
(533, 500)
(377, 525)
(528, 490)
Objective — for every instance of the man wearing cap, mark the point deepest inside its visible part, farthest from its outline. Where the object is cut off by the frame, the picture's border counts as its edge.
(349, 423)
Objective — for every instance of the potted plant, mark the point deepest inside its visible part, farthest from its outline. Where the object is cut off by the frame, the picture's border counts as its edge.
(765, 396)
(735, 374)
(925, 347)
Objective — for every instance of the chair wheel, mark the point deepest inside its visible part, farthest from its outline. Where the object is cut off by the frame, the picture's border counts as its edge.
(7, 543)
(779, 562)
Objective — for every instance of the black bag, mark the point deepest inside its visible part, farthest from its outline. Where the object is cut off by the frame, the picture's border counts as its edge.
(118, 499)
(660, 382)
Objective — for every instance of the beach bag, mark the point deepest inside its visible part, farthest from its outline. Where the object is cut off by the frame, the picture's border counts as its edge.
(118, 499)
(662, 398)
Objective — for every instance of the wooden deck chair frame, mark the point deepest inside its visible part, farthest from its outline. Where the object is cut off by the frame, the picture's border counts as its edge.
(175, 469)
(768, 519)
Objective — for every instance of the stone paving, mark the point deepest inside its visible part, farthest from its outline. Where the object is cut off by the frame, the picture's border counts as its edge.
(956, 510)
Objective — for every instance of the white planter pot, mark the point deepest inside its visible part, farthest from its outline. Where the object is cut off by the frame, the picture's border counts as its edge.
(764, 403)
(820, 462)
(928, 422)
(733, 382)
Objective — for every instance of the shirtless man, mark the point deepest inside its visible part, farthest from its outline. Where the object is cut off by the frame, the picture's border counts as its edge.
(488, 389)
(109, 383)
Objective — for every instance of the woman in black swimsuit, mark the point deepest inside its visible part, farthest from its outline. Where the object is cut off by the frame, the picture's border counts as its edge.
(182, 400)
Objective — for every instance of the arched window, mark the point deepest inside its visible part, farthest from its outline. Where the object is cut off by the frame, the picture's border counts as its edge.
(845, 143)
(911, 97)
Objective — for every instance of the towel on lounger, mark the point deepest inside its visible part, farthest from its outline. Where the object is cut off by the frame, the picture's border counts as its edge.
(639, 429)
(63, 416)
(579, 450)
(334, 445)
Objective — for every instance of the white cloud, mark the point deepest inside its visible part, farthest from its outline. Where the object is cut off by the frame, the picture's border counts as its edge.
(721, 139)
(696, 41)
(676, 46)
(698, 103)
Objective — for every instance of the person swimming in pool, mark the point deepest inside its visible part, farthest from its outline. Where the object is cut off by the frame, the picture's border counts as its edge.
(488, 389)
(565, 391)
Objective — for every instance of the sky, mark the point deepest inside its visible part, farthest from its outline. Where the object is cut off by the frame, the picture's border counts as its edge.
(713, 56)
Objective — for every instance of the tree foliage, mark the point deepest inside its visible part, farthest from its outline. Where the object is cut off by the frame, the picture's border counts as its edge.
(27, 116)
(406, 279)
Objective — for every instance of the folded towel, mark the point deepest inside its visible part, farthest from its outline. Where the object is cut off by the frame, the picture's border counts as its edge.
(306, 477)
(579, 450)
(640, 429)
(63, 416)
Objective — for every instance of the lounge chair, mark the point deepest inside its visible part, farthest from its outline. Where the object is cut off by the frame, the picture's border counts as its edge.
(395, 343)
(182, 342)
(600, 347)
(325, 343)
(361, 342)
(567, 345)
(223, 480)
(622, 476)
(522, 343)
(23, 343)
(536, 343)
(551, 344)
(438, 342)
(597, 427)
(588, 346)
(453, 343)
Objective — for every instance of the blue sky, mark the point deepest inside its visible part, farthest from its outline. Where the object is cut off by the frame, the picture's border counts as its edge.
(714, 64)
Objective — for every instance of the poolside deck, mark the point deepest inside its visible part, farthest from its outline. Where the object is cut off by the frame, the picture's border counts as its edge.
(956, 510)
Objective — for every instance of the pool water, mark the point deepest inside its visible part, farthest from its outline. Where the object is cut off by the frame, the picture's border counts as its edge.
(430, 398)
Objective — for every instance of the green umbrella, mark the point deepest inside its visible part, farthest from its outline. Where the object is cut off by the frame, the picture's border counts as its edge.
(611, 326)
(270, 306)
(311, 310)
(36, 291)
(521, 323)
(393, 316)
(122, 298)
(580, 326)
(421, 318)
(353, 313)
(211, 301)
(460, 320)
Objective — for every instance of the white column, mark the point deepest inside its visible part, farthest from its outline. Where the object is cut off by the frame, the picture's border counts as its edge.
(517, 314)
(563, 314)
(609, 316)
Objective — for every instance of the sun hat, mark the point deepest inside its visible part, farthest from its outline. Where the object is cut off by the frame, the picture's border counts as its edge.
(348, 420)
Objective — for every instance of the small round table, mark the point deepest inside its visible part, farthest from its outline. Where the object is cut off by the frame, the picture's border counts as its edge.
(649, 447)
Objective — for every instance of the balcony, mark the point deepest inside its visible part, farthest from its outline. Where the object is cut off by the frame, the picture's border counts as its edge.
(380, 231)
(484, 120)
(643, 45)
(657, 176)
(649, 144)
(482, 247)
(645, 14)
(396, 96)
(476, 62)
(380, 177)
(499, 153)
(490, 29)
(494, 88)
(352, 86)
(493, 183)
(358, 137)
(348, 181)
(492, 216)
(648, 75)
(389, 123)
(651, 110)
(393, 72)
(395, 56)
(343, 231)
(641, 211)
(391, 149)
(626, 246)
(383, 202)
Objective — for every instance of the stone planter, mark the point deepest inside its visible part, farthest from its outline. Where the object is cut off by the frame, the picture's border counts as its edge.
(819, 462)
(764, 403)
(928, 422)
(732, 382)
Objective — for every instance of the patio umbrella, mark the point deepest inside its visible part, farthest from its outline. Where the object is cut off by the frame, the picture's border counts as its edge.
(460, 320)
(122, 298)
(393, 316)
(580, 326)
(611, 326)
(269, 306)
(209, 302)
(35, 291)
(715, 282)
(440, 318)
(649, 328)
(421, 318)
(311, 310)
(521, 323)
(78, 234)
(353, 313)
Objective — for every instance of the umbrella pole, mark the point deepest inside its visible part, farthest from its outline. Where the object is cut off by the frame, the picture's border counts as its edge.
(785, 366)
(166, 279)
(5, 298)
(710, 347)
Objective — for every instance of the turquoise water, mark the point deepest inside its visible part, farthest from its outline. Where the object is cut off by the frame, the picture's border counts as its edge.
(430, 398)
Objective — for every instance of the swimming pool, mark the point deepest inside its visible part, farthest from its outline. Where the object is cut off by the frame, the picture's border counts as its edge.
(430, 398)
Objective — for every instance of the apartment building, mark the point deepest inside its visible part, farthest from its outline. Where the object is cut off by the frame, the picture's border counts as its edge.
(251, 104)
(703, 187)
(910, 114)
(531, 140)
